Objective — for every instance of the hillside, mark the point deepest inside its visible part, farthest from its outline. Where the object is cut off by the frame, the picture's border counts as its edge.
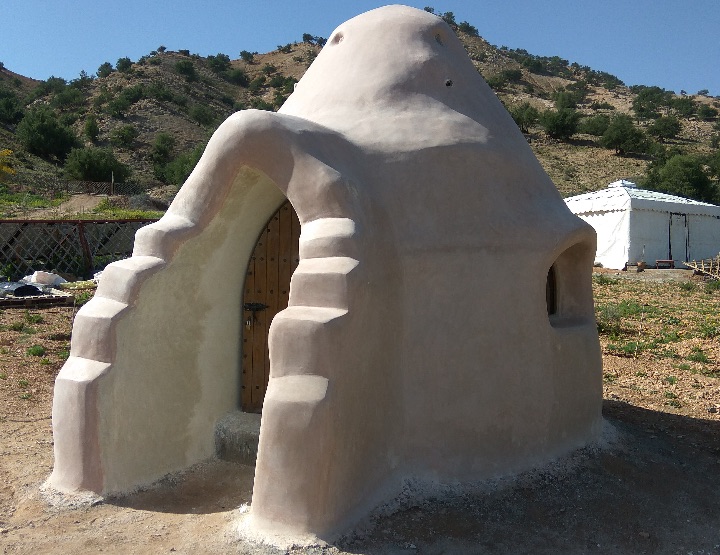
(155, 114)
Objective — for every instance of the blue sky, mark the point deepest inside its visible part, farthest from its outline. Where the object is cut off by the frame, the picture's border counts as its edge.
(674, 44)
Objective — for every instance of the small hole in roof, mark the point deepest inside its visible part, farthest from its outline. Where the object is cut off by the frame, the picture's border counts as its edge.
(337, 38)
(439, 40)
(449, 83)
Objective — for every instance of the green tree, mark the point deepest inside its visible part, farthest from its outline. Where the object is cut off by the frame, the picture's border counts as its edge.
(622, 136)
(177, 171)
(565, 100)
(161, 153)
(220, 63)
(595, 125)
(713, 164)
(91, 128)
(706, 113)
(449, 18)
(186, 69)
(42, 133)
(468, 29)
(525, 116)
(124, 136)
(665, 127)
(560, 124)
(11, 108)
(683, 175)
(124, 65)
(684, 106)
(247, 57)
(105, 69)
(649, 101)
(95, 164)
(512, 75)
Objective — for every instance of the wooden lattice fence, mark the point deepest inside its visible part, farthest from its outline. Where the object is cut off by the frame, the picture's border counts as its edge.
(708, 266)
(75, 247)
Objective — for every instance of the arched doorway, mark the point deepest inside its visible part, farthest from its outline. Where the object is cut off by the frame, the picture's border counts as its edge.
(265, 293)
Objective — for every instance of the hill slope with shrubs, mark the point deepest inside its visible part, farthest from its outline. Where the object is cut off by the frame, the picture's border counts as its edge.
(146, 121)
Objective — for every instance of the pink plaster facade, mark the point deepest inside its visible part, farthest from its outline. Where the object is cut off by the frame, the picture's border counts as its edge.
(424, 337)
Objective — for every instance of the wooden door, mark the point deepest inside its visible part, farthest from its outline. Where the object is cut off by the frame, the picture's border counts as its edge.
(266, 292)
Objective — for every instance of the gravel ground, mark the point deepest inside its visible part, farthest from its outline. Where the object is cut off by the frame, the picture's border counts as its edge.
(654, 488)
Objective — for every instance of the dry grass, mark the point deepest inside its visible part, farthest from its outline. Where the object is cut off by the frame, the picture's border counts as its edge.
(660, 342)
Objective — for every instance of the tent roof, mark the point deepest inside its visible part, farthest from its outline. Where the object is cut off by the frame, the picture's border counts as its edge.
(624, 195)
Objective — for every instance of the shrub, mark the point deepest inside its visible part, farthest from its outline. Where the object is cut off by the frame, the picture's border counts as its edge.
(52, 85)
(42, 133)
(36, 350)
(11, 108)
(247, 57)
(91, 128)
(158, 91)
(687, 286)
(237, 77)
(124, 136)
(496, 81)
(202, 114)
(177, 171)
(186, 69)
(256, 83)
(105, 69)
(706, 113)
(69, 97)
(466, 28)
(119, 106)
(698, 355)
(601, 106)
(219, 63)
(161, 153)
(95, 164)
(564, 100)
(124, 65)
(512, 75)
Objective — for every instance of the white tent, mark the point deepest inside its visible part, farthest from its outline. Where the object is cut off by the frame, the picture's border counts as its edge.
(636, 225)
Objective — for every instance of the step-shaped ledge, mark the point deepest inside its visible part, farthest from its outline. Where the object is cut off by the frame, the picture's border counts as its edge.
(328, 237)
(322, 282)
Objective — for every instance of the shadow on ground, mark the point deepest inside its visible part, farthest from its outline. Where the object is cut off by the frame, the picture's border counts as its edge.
(212, 487)
(655, 490)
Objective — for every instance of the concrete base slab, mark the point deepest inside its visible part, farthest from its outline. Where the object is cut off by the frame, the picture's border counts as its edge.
(236, 437)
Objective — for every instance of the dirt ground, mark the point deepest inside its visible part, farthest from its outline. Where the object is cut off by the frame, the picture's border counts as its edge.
(76, 204)
(655, 488)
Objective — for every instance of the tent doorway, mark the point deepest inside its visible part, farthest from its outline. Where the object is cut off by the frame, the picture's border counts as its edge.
(265, 293)
(678, 237)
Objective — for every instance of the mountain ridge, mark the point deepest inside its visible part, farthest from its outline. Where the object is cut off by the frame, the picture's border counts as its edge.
(186, 96)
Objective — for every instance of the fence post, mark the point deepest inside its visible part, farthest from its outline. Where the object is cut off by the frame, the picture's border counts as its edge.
(85, 249)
